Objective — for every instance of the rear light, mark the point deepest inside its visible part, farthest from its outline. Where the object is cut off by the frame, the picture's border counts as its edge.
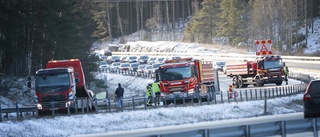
(307, 97)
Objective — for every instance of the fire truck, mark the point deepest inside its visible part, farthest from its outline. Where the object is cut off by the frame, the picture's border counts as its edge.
(185, 79)
(265, 69)
(62, 82)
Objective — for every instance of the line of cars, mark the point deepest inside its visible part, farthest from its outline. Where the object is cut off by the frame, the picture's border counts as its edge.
(143, 66)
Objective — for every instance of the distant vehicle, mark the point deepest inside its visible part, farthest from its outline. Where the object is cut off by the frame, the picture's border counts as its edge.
(174, 57)
(123, 67)
(160, 60)
(151, 60)
(140, 69)
(112, 59)
(143, 59)
(219, 65)
(148, 69)
(103, 58)
(311, 100)
(155, 67)
(114, 66)
(107, 53)
(131, 59)
(123, 59)
(103, 66)
(133, 67)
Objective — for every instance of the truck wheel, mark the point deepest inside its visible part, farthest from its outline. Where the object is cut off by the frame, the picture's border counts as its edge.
(259, 82)
(245, 85)
(278, 83)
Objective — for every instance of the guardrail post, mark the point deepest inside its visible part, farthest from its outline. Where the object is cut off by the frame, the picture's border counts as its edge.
(246, 95)
(260, 91)
(37, 111)
(241, 95)
(82, 106)
(52, 108)
(17, 108)
(133, 105)
(255, 91)
(283, 128)
(228, 96)
(208, 97)
(96, 105)
(247, 130)
(265, 101)
(0, 113)
(175, 101)
(221, 96)
(109, 104)
(183, 100)
(87, 105)
(68, 109)
(315, 127)
(121, 104)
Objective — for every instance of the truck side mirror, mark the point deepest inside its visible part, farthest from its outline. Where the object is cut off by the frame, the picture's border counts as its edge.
(77, 80)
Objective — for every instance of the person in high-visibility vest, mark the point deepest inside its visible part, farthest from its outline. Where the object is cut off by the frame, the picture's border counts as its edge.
(156, 91)
(149, 94)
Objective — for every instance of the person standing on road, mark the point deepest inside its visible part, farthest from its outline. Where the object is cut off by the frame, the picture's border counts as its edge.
(286, 73)
(149, 94)
(119, 95)
(156, 91)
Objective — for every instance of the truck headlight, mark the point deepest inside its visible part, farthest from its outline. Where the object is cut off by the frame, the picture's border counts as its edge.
(68, 104)
(190, 91)
(39, 106)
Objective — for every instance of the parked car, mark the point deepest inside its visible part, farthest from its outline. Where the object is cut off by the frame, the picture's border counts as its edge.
(160, 60)
(151, 60)
(131, 59)
(103, 65)
(123, 67)
(112, 59)
(311, 100)
(148, 69)
(219, 65)
(143, 59)
(123, 59)
(114, 67)
(155, 67)
(133, 67)
(140, 69)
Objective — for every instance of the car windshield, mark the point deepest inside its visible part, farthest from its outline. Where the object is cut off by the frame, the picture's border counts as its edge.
(148, 67)
(156, 65)
(160, 59)
(133, 57)
(141, 66)
(49, 83)
(143, 57)
(272, 64)
(134, 65)
(116, 64)
(221, 63)
(125, 65)
(152, 59)
(115, 57)
(177, 73)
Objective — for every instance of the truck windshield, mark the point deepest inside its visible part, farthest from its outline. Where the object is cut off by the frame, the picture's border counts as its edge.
(177, 73)
(272, 64)
(49, 83)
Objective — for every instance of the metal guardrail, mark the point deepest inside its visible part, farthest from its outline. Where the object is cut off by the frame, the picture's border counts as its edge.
(254, 127)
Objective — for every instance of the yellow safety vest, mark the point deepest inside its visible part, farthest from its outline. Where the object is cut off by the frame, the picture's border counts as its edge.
(155, 87)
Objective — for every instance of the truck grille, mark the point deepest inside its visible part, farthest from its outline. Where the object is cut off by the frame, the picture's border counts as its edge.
(49, 98)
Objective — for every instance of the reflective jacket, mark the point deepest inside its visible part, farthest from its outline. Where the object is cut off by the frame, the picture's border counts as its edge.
(149, 91)
(155, 87)
(286, 71)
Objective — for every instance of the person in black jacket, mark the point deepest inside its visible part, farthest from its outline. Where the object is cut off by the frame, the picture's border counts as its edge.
(119, 95)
